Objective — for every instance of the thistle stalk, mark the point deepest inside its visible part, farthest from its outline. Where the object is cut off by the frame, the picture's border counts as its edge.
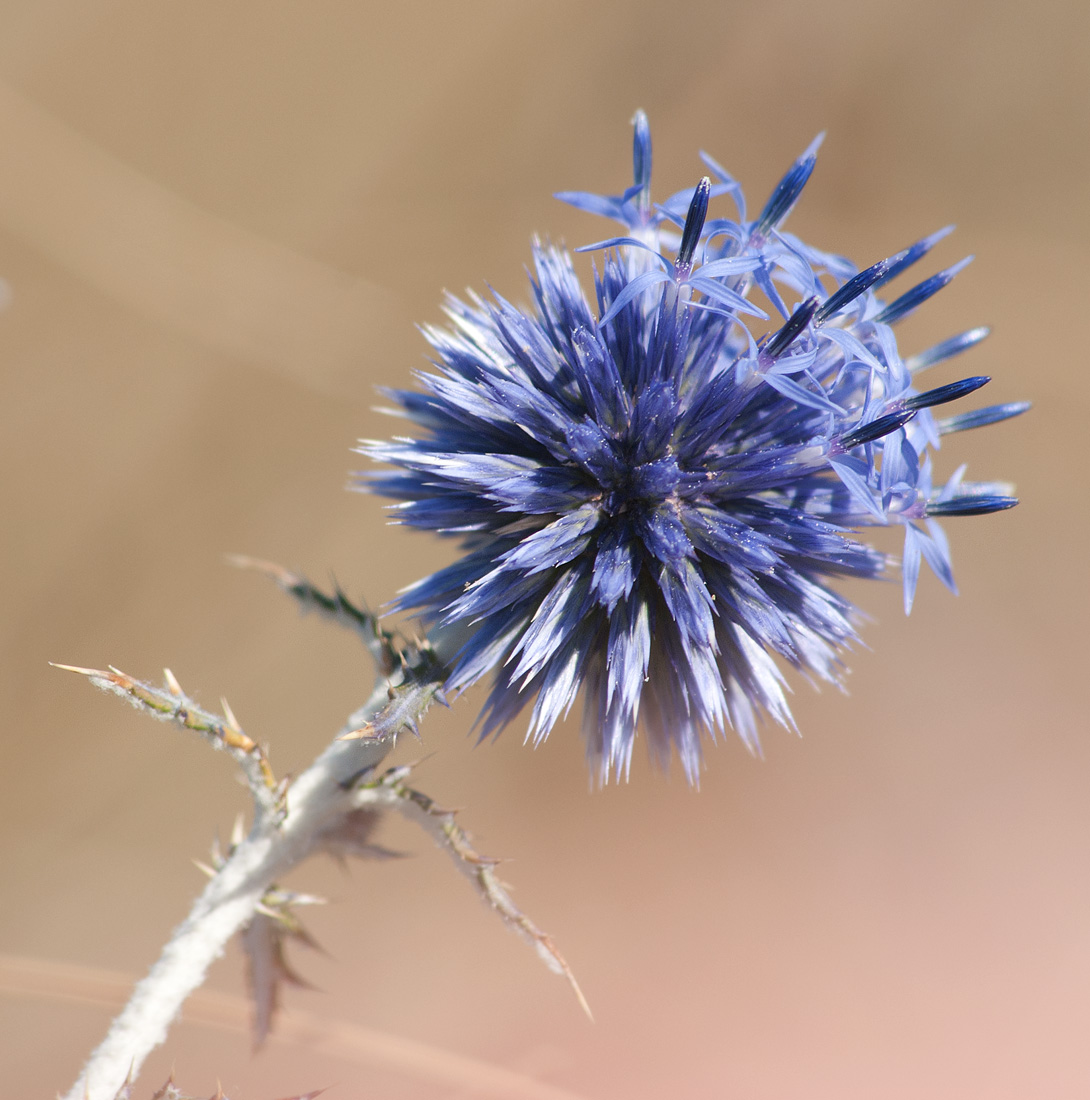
(331, 807)
(276, 844)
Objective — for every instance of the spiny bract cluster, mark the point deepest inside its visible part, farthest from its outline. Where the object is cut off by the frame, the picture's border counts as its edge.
(653, 503)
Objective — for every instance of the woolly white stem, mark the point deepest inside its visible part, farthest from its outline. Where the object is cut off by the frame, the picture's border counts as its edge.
(227, 903)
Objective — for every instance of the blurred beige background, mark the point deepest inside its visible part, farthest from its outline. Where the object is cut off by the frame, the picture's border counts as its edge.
(219, 223)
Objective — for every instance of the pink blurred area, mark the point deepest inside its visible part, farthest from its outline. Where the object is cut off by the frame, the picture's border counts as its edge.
(219, 224)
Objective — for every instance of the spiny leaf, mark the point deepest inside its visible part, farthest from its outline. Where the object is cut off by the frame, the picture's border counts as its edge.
(350, 835)
(450, 836)
(171, 704)
(336, 606)
(267, 969)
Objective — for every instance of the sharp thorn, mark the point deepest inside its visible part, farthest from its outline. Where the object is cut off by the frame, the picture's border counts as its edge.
(229, 714)
(80, 670)
(364, 732)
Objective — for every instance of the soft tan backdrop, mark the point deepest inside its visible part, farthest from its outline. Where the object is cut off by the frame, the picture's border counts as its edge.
(219, 223)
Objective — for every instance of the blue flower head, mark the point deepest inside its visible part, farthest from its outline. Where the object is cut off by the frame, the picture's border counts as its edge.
(656, 490)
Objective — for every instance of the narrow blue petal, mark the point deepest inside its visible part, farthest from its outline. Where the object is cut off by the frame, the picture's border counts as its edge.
(730, 265)
(719, 293)
(910, 564)
(623, 242)
(592, 204)
(728, 183)
(763, 278)
(632, 290)
(857, 485)
(936, 552)
(796, 392)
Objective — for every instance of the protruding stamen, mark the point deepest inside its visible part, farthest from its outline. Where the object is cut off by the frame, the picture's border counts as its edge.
(913, 253)
(969, 505)
(955, 345)
(876, 429)
(791, 330)
(641, 157)
(919, 294)
(942, 394)
(855, 286)
(787, 191)
(694, 223)
(981, 418)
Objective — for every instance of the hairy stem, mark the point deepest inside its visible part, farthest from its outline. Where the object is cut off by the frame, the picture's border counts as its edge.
(227, 903)
(328, 807)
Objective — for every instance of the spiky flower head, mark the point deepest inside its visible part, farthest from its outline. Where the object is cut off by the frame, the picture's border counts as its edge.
(656, 491)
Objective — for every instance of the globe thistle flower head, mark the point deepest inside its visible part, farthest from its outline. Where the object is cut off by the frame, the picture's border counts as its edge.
(656, 489)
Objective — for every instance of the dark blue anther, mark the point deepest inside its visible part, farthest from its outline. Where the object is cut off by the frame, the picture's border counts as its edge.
(969, 505)
(852, 289)
(876, 429)
(791, 330)
(694, 223)
(941, 394)
(919, 294)
(912, 254)
(786, 192)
